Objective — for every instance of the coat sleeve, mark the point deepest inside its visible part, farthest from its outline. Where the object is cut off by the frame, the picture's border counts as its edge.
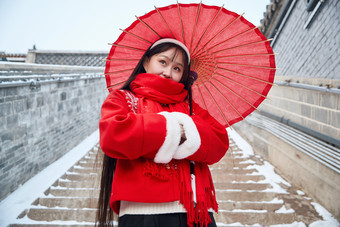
(126, 135)
(214, 137)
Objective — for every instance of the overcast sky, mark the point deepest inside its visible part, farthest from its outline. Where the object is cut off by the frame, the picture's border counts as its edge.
(87, 24)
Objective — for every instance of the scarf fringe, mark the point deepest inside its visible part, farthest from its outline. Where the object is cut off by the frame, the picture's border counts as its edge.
(206, 199)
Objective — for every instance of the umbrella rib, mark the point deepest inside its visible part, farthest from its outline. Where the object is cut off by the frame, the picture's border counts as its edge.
(148, 26)
(193, 33)
(226, 98)
(120, 71)
(165, 22)
(244, 55)
(239, 96)
(201, 96)
(233, 37)
(251, 66)
(240, 74)
(116, 84)
(219, 33)
(128, 47)
(218, 107)
(180, 17)
(258, 93)
(242, 45)
(207, 28)
(136, 36)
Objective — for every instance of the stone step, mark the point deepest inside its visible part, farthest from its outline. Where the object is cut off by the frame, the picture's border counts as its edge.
(232, 171)
(80, 177)
(229, 195)
(65, 224)
(243, 186)
(252, 218)
(246, 217)
(234, 160)
(236, 178)
(78, 215)
(230, 167)
(80, 170)
(86, 164)
(229, 206)
(75, 184)
(66, 202)
(77, 193)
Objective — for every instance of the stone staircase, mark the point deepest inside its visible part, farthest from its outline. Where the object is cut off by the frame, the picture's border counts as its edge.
(248, 191)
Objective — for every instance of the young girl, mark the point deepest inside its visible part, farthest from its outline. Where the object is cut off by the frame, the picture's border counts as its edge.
(151, 132)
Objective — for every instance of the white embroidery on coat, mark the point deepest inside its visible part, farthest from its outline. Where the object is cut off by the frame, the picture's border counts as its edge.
(131, 100)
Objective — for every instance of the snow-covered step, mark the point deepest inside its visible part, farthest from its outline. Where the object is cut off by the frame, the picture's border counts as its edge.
(75, 192)
(66, 202)
(239, 195)
(248, 191)
(74, 184)
(80, 177)
(236, 178)
(78, 215)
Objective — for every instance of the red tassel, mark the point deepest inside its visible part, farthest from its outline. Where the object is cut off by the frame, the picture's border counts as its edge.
(205, 192)
(186, 193)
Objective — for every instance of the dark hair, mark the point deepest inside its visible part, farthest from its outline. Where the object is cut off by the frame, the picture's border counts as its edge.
(156, 50)
(104, 215)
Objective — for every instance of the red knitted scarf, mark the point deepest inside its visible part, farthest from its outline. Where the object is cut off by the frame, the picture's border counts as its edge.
(154, 93)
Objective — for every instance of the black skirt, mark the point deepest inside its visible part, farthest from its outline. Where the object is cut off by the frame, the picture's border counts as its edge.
(158, 220)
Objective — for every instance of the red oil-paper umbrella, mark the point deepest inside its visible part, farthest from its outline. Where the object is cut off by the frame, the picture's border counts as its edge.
(234, 61)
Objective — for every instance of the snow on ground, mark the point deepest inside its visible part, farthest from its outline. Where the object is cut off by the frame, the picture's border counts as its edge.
(267, 170)
(328, 220)
(283, 210)
(275, 180)
(22, 198)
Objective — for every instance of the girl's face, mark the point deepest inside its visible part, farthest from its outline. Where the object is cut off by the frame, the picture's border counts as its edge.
(168, 64)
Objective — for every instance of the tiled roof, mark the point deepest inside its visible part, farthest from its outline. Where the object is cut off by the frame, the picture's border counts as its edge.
(271, 16)
(70, 58)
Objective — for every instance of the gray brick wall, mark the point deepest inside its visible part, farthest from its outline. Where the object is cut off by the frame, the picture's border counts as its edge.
(312, 52)
(38, 126)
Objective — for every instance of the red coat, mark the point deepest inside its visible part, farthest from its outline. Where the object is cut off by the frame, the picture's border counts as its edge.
(137, 139)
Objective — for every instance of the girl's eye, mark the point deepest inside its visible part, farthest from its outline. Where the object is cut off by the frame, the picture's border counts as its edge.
(177, 69)
(162, 62)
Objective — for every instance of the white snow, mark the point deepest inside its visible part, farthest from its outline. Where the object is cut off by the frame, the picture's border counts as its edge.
(294, 224)
(267, 170)
(275, 180)
(300, 192)
(22, 198)
(328, 219)
(283, 210)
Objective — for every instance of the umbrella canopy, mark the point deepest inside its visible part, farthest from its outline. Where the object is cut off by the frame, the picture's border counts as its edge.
(233, 59)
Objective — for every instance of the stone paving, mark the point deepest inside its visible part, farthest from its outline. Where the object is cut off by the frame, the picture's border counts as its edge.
(248, 190)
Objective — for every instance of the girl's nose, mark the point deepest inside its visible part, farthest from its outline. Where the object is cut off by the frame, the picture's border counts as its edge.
(167, 73)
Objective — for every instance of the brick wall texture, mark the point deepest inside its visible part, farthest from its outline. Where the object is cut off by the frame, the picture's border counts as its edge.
(309, 56)
(312, 52)
(39, 126)
(85, 59)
